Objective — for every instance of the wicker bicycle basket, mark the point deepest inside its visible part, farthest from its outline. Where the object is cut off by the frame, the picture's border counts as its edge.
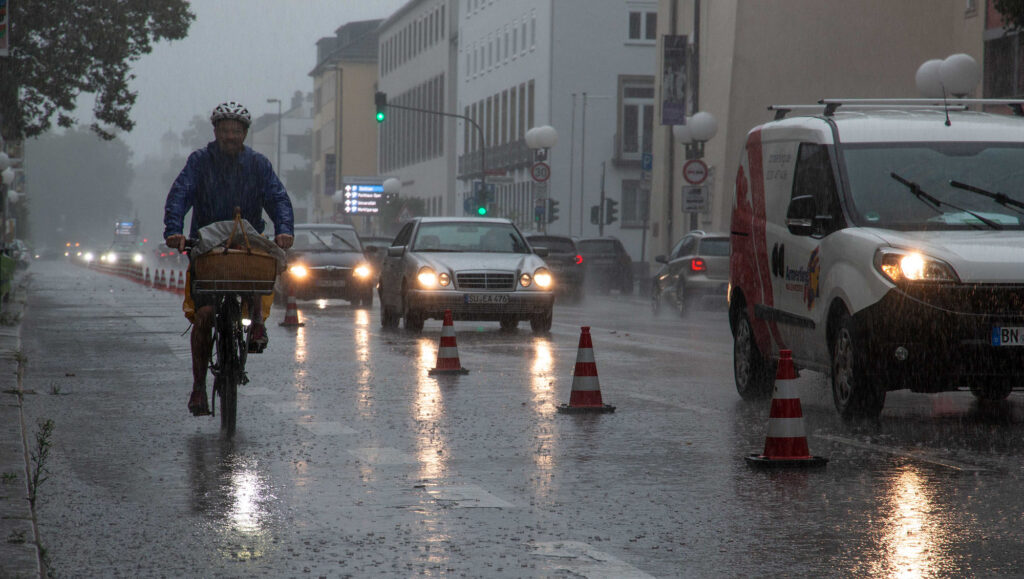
(231, 269)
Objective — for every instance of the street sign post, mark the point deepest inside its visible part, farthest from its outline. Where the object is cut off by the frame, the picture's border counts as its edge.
(540, 172)
(695, 172)
(695, 198)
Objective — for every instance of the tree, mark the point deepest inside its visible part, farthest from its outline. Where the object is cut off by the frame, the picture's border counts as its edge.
(1013, 13)
(60, 49)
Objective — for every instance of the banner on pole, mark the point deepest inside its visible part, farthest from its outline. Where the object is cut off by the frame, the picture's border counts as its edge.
(674, 78)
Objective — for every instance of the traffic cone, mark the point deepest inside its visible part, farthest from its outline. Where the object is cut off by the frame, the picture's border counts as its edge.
(181, 282)
(586, 389)
(149, 280)
(158, 279)
(448, 351)
(291, 312)
(786, 444)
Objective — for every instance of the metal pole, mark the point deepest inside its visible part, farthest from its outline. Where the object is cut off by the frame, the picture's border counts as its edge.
(695, 75)
(583, 159)
(600, 223)
(572, 161)
(279, 136)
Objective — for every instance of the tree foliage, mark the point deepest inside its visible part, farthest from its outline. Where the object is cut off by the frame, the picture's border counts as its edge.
(1013, 13)
(60, 49)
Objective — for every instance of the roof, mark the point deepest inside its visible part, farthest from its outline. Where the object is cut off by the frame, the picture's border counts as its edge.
(462, 220)
(907, 125)
(353, 42)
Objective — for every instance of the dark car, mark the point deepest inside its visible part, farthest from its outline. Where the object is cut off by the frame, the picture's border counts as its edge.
(327, 261)
(697, 269)
(564, 261)
(607, 264)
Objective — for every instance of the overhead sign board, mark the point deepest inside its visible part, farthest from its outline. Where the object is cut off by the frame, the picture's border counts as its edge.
(363, 195)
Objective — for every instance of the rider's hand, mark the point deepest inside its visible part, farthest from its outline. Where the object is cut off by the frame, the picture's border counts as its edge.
(283, 240)
(176, 242)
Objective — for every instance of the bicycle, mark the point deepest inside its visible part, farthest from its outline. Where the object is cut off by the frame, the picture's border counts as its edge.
(230, 334)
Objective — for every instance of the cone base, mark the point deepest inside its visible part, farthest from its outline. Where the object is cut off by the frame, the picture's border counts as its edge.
(604, 408)
(436, 371)
(761, 461)
(292, 324)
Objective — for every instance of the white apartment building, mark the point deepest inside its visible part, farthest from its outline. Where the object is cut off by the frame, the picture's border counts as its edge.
(416, 69)
(585, 67)
(288, 144)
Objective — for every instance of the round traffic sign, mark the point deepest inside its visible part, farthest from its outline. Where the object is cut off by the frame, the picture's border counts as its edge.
(695, 171)
(540, 172)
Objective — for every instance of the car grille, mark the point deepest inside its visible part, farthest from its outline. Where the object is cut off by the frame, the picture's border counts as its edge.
(484, 280)
(330, 272)
(996, 300)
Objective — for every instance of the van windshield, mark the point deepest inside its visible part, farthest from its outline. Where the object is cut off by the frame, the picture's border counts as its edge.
(880, 201)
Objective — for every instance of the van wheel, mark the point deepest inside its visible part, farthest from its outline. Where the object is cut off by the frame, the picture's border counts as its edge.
(853, 395)
(992, 389)
(754, 380)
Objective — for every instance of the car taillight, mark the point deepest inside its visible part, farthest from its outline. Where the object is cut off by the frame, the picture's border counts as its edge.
(579, 259)
(697, 264)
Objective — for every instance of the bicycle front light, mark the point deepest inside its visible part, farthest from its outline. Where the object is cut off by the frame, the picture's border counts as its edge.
(298, 271)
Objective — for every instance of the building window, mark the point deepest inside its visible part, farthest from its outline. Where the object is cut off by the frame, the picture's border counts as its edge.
(643, 26)
(636, 111)
(635, 202)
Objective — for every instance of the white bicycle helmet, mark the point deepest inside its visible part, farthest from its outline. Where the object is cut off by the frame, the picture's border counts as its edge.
(231, 110)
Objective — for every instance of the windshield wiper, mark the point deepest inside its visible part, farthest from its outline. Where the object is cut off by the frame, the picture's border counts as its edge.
(345, 241)
(1000, 198)
(934, 203)
(318, 238)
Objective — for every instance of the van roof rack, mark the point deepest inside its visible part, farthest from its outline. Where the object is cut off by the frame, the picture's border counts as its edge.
(1017, 105)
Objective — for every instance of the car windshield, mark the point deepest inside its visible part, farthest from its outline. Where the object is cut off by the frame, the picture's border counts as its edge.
(340, 239)
(554, 244)
(597, 246)
(714, 246)
(879, 200)
(463, 236)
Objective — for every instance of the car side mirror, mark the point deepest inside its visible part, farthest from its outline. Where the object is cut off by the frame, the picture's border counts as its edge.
(661, 259)
(396, 251)
(541, 251)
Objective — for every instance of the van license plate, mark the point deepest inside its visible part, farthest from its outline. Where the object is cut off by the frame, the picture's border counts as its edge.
(486, 298)
(1009, 336)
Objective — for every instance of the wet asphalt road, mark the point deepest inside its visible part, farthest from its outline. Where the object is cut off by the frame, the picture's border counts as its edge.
(351, 461)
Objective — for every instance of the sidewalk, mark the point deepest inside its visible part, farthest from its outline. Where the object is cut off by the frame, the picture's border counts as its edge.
(19, 555)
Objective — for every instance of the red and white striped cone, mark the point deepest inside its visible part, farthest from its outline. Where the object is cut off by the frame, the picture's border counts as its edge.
(291, 312)
(448, 351)
(158, 280)
(181, 283)
(786, 443)
(149, 280)
(586, 389)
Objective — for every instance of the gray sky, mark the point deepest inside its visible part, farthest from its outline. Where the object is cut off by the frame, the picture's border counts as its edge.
(242, 50)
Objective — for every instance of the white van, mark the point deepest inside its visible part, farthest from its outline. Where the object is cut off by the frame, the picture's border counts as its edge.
(881, 242)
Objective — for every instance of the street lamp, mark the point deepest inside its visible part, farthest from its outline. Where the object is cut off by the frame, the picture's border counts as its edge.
(392, 186)
(957, 75)
(278, 165)
(699, 129)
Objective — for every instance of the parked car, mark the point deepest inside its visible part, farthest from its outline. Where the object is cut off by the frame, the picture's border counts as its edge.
(479, 268)
(564, 261)
(607, 264)
(697, 268)
(327, 261)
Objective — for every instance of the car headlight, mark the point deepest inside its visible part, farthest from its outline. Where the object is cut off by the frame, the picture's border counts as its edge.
(111, 258)
(137, 258)
(88, 256)
(543, 278)
(910, 266)
(426, 277)
(361, 271)
(525, 280)
(298, 270)
(444, 279)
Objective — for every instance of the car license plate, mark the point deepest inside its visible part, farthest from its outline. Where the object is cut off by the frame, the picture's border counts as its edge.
(485, 298)
(1008, 336)
(332, 283)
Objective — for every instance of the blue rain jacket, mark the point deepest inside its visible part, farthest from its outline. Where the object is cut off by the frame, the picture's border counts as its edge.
(212, 184)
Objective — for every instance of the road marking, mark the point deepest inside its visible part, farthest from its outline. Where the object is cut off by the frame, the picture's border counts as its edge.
(582, 559)
(383, 455)
(467, 496)
(327, 428)
(922, 456)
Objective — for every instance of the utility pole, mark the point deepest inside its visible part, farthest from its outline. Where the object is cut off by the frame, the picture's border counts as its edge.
(600, 223)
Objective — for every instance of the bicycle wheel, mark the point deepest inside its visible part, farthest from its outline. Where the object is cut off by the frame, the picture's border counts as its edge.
(228, 331)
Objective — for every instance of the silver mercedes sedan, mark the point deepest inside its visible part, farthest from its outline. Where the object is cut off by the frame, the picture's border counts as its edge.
(481, 269)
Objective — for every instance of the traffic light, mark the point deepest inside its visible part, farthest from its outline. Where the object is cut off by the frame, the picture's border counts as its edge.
(610, 211)
(381, 100)
(482, 207)
(552, 210)
(595, 214)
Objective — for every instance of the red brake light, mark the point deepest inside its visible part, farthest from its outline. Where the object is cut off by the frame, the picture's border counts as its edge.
(579, 259)
(697, 264)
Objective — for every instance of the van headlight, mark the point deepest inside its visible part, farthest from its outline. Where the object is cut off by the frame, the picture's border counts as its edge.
(903, 266)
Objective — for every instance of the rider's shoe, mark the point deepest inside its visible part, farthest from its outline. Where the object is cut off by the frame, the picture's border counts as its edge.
(198, 404)
(257, 338)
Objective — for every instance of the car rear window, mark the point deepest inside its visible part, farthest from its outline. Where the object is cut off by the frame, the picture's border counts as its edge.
(597, 246)
(715, 246)
(554, 244)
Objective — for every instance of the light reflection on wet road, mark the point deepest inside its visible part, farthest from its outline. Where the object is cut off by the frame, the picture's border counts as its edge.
(351, 460)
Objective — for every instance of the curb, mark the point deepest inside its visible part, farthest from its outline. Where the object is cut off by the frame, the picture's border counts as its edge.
(19, 534)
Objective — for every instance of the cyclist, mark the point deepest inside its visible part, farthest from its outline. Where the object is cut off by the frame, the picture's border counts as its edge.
(216, 179)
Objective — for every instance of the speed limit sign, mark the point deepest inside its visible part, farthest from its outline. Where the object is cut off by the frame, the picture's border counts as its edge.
(540, 172)
(695, 172)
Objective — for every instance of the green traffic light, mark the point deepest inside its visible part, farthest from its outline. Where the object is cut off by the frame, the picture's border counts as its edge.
(380, 116)
(481, 210)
